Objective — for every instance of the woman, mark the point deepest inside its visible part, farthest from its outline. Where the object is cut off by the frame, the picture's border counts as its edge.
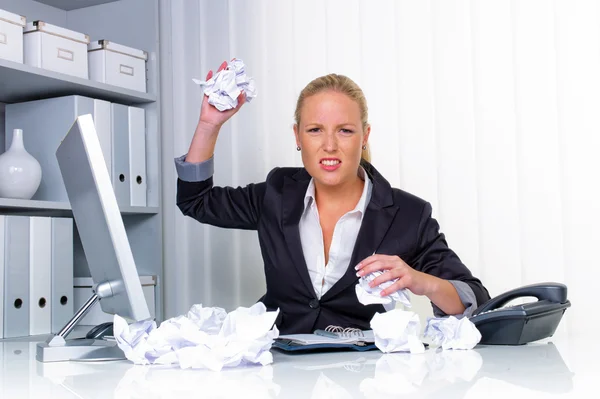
(322, 226)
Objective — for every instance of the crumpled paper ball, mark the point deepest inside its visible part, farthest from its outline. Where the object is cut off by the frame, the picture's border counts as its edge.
(452, 333)
(205, 338)
(397, 330)
(368, 296)
(224, 87)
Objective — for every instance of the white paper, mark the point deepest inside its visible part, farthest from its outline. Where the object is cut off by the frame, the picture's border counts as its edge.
(452, 333)
(368, 296)
(224, 87)
(208, 320)
(205, 338)
(397, 331)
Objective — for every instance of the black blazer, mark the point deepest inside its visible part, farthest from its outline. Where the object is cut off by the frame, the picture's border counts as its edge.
(395, 223)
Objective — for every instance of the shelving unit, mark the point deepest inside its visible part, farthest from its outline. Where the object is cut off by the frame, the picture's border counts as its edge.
(20, 82)
(60, 209)
(132, 23)
(69, 5)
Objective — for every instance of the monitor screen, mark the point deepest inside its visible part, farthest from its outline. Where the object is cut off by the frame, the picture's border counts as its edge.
(99, 222)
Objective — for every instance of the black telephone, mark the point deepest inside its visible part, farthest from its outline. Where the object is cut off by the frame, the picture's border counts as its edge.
(520, 324)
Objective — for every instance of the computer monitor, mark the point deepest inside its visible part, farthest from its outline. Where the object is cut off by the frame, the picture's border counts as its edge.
(98, 219)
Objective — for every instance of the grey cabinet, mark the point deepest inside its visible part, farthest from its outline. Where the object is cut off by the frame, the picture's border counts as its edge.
(132, 23)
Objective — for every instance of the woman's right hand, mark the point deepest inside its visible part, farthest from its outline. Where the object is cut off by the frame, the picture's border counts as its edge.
(207, 131)
(210, 116)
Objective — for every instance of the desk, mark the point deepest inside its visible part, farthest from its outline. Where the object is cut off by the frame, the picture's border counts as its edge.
(557, 367)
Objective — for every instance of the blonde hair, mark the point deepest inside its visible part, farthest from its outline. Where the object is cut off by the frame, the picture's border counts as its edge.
(341, 84)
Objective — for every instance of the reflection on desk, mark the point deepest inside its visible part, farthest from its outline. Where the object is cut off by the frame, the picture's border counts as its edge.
(533, 370)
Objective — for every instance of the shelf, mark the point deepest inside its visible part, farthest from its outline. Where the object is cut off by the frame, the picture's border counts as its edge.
(139, 210)
(52, 208)
(69, 5)
(21, 82)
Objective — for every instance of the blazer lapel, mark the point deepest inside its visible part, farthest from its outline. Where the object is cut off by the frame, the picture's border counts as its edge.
(377, 220)
(293, 206)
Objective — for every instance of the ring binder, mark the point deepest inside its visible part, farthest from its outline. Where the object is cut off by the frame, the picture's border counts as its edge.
(332, 337)
(342, 332)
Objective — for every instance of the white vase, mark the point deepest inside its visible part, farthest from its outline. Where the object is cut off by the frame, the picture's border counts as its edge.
(20, 173)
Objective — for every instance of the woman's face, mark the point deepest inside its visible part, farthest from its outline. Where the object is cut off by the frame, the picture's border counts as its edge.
(331, 137)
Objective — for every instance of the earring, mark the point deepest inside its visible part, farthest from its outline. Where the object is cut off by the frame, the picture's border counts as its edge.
(298, 148)
(364, 148)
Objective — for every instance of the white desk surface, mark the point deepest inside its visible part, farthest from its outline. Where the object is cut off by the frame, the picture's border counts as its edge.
(552, 368)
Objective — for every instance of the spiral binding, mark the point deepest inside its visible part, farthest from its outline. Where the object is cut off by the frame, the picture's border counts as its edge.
(345, 332)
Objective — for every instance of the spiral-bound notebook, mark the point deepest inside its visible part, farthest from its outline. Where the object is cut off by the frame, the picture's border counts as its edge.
(332, 337)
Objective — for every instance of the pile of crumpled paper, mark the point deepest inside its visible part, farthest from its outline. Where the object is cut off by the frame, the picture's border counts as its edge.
(398, 330)
(207, 338)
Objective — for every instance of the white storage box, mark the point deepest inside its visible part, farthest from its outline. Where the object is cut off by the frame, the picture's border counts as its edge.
(82, 291)
(56, 49)
(11, 36)
(117, 65)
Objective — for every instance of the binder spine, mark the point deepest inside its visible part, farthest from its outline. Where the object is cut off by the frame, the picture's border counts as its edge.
(102, 122)
(120, 154)
(16, 277)
(62, 272)
(40, 252)
(137, 156)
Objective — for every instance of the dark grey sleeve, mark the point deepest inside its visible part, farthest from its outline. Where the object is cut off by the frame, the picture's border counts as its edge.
(194, 172)
(434, 257)
(227, 207)
(466, 295)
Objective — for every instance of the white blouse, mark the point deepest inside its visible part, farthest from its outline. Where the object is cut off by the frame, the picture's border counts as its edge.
(324, 276)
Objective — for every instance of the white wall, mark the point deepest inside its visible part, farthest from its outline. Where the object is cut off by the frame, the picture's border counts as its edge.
(487, 109)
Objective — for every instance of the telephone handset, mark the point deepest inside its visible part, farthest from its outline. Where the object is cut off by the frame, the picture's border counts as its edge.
(520, 324)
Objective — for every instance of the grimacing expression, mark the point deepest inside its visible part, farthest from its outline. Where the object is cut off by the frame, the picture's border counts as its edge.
(331, 137)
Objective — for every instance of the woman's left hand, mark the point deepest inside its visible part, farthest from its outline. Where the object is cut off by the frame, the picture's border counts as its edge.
(418, 283)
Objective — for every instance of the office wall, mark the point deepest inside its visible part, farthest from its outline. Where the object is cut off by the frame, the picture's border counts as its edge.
(487, 109)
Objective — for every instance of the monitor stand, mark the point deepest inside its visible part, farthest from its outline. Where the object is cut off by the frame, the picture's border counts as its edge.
(59, 349)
